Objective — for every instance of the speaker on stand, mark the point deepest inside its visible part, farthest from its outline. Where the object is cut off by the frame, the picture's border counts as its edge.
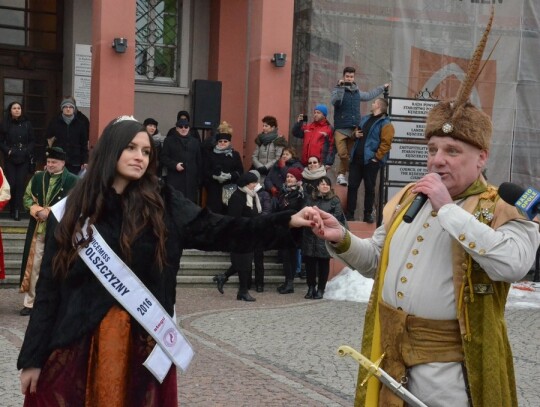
(206, 102)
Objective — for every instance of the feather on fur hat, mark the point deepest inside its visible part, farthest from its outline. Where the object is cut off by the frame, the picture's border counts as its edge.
(459, 118)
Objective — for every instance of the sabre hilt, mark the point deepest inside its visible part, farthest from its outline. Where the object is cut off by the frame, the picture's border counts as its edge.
(371, 367)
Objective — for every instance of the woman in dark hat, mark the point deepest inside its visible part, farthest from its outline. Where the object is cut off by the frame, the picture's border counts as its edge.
(244, 202)
(158, 138)
(17, 143)
(222, 166)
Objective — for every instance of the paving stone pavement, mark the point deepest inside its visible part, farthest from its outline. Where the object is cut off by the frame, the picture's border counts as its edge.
(278, 351)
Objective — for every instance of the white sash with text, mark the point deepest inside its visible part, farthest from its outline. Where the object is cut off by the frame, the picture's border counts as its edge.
(122, 283)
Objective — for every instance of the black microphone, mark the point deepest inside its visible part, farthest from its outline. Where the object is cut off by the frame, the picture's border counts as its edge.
(526, 200)
(415, 207)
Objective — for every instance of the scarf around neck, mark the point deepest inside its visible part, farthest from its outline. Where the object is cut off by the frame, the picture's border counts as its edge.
(251, 196)
(268, 137)
(315, 174)
(228, 151)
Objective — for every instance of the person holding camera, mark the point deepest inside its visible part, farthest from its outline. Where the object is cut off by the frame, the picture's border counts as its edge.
(318, 137)
(346, 98)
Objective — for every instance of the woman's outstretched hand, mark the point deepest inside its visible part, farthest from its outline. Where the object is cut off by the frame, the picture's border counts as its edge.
(321, 223)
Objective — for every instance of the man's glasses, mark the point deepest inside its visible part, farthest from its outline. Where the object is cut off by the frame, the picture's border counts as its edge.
(183, 127)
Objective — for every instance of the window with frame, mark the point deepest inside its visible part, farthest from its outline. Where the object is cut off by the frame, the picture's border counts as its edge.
(157, 41)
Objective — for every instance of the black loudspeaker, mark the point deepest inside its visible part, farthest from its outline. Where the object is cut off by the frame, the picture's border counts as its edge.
(206, 102)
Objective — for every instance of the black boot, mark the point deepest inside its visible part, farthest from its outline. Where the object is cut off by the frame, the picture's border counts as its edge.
(309, 293)
(260, 288)
(318, 295)
(288, 289)
(16, 215)
(281, 286)
(220, 279)
(244, 295)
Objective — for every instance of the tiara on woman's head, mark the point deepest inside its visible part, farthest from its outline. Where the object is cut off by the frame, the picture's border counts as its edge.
(124, 118)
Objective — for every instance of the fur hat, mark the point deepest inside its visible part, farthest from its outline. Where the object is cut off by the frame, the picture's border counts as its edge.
(459, 118)
(295, 172)
(223, 136)
(246, 178)
(322, 108)
(466, 123)
(56, 153)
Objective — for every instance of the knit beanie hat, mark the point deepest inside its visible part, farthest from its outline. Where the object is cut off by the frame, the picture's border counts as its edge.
(322, 108)
(68, 102)
(246, 178)
(257, 173)
(295, 172)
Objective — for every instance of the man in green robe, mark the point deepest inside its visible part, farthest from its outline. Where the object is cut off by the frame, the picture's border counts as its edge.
(44, 190)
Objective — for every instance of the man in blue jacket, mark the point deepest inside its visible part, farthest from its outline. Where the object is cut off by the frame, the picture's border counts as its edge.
(346, 98)
(368, 155)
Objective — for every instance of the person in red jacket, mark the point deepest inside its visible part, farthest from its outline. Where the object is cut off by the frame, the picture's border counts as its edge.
(318, 137)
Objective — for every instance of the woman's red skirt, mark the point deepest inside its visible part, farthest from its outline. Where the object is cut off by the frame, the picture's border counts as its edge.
(104, 370)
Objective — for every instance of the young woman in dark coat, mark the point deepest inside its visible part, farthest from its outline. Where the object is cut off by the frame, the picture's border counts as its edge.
(222, 166)
(258, 260)
(17, 143)
(244, 202)
(314, 253)
(66, 353)
(291, 197)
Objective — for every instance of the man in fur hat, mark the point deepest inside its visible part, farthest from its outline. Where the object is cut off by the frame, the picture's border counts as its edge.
(437, 306)
(44, 190)
(438, 299)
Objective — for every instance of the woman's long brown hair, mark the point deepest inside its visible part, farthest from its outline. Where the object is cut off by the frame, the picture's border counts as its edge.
(142, 204)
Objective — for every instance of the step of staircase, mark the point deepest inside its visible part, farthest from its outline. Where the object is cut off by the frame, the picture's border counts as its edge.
(197, 268)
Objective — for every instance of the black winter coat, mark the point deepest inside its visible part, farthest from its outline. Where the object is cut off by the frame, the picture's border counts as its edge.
(237, 207)
(67, 310)
(17, 140)
(72, 138)
(178, 149)
(215, 164)
(312, 245)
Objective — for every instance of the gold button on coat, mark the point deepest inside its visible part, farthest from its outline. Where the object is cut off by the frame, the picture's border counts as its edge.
(472, 245)
(403, 280)
(409, 265)
(415, 251)
(400, 295)
(419, 238)
(461, 237)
